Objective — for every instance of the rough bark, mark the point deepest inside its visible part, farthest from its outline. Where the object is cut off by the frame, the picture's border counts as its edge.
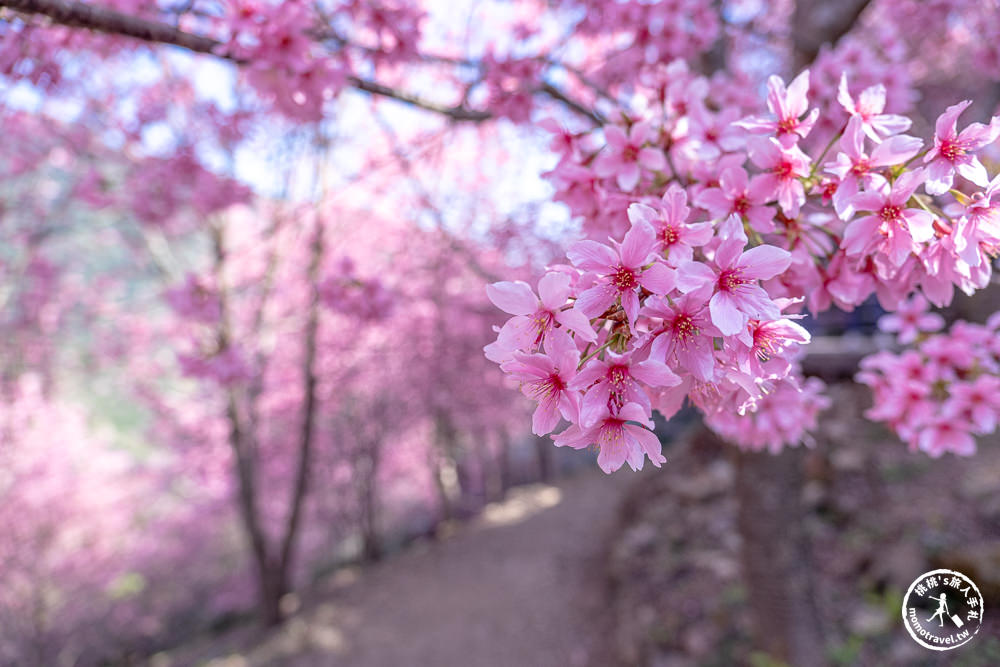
(777, 565)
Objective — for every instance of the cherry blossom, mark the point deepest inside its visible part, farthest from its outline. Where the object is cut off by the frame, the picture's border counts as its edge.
(677, 237)
(621, 271)
(787, 106)
(911, 319)
(955, 152)
(852, 167)
(627, 154)
(784, 167)
(891, 229)
(546, 378)
(617, 440)
(535, 318)
(735, 274)
(737, 194)
(868, 109)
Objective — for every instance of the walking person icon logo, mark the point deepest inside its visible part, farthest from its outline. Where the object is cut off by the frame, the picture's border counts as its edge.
(942, 610)
(930, 594)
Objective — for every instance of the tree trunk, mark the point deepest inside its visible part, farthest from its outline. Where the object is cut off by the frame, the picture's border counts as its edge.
(777, 567)
(272, 588)
(447, 509)
(307, 433)
(271, 584)
(504, 465)
(443, 464)
(544, 453)
(371, 548)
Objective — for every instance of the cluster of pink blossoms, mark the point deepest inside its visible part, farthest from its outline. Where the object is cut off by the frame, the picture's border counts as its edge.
(712, 260)
(343, 291)
(942, 392)
(285, 66)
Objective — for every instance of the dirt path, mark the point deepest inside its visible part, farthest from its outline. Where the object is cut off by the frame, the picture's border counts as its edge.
(521, 586)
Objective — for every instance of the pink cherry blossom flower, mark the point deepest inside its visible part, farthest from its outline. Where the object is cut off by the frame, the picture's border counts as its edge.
(783, 169)
(618, 440)
(852, 166)
(781, 419)
(868, 110)
(535, 317)
(563, 141)
(910, 319)
(621, 271)
(740, 195)
(615, 382)
(945, 435)
(763, 346)
(953, 151)
(677, 238)
(626, 153)
(976, 403)
(787, 107)
(892, 228)
(738, 297)
(686, 336)
(946, 360)
(977, 226)
(577, 187)
(908, 399)
(545, 378)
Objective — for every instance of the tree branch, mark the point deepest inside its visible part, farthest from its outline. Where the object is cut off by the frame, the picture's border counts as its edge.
(558, 95)
(76, 14)
(455, 113)
(101, 19)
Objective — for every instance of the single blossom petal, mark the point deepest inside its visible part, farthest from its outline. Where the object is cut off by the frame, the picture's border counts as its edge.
(578, 323)
(515, 298)
(595, 300)
(726, 314)
(692, 275)
(638, 245)
(764, 261)
(658, 279)
(592, 256)
(553, 290)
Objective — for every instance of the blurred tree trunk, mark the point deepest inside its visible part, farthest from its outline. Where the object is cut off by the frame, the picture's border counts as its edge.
(442, 464)
(307, 432)
(504, 464)
(776, 558)
(819, 22)
(273, 562)
(269, 585)
(544, 454)
(367, 474)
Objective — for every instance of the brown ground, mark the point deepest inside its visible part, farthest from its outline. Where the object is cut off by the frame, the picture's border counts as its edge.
(522, 585)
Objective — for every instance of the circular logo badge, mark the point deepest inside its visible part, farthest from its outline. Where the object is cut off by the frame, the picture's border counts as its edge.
(942, 610)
